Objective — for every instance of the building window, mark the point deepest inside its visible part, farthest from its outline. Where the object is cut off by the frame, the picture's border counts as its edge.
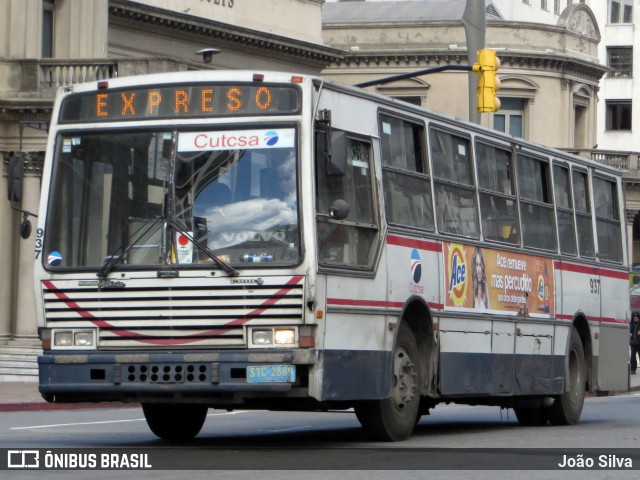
(544, 5)
(48, 7)
(620, 11)
(526, 2)
(620, 61)
(412, 99)
(618, 114)
(556, 7)
(510, 118)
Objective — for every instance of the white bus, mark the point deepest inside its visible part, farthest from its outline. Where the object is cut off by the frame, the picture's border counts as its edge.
(242, 240)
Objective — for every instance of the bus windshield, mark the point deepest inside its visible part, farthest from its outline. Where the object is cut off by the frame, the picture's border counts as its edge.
(149, 198)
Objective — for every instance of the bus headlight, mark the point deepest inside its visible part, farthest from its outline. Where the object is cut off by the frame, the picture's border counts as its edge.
(285, 336)
(268, 337)
(261, 337)
(81, 339)
(63, 339)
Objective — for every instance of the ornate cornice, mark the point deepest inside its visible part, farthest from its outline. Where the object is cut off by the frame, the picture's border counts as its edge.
(136, 15)
(25, 110)
(589, 71)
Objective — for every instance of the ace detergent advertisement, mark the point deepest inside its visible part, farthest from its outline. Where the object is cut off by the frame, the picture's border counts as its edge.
(486, 280)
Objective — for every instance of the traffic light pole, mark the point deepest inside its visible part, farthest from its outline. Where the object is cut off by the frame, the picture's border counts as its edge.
(417, 73)
(487, 83)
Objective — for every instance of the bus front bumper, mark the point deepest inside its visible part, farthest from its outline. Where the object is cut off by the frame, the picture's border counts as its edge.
(189, 377)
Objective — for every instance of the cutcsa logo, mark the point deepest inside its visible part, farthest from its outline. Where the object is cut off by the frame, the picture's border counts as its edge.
(271, 138)
(416, 266)
(457, 274)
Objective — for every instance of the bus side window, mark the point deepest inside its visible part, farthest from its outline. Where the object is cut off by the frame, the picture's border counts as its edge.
(497, 194)
(564, 210)
(583, 214)
(350, 242)
(605, 195)
(405, 173)
(455, 195)
(536, 203)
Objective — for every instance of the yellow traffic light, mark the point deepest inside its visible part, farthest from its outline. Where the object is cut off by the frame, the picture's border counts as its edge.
(488, 84)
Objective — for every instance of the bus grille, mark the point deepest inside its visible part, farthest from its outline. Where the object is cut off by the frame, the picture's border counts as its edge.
(173, 313)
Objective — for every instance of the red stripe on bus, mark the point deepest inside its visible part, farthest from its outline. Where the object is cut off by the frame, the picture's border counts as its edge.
(412, 243)
(603, 272)
(142, 338)
(563, 316)
(364, 303)
(572, 267)
(375, 303)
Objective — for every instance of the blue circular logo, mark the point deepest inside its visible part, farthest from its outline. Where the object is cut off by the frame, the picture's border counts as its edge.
(54, 259)
(271, 138)
(416, 266)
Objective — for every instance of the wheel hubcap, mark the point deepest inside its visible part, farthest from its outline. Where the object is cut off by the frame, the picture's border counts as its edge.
(404, 377)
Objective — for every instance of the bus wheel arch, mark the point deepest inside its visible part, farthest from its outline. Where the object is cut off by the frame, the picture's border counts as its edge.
(393, 418)
(417, 315)
(581, 324)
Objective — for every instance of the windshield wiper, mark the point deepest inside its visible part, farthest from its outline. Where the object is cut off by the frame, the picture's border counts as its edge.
(223, 265)
(112, 260)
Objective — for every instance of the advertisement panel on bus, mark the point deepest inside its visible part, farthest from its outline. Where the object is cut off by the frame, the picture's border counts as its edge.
(483, 279)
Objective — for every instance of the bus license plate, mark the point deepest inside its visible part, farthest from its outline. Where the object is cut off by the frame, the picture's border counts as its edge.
(271, 373)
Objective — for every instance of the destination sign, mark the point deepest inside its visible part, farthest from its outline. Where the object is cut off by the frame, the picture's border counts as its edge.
(180, 101)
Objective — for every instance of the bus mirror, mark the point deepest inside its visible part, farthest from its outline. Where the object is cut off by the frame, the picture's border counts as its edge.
(15, 174)
(337, 158)
(25, 228)
(339, 209)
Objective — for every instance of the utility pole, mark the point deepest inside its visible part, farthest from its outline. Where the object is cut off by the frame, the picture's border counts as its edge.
(474, 21)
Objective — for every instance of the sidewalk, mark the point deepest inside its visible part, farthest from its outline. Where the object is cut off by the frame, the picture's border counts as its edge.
(23, 396)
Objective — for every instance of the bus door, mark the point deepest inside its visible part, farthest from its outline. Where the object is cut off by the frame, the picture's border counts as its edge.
(348, 235)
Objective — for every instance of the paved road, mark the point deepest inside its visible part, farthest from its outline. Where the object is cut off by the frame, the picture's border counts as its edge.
(263, 441)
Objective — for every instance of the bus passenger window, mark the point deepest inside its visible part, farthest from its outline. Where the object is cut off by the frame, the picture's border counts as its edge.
(608, 227)
(583, 214)
(536, 204)
(497, 194)
(564, 210)
(455, 195)
(407, 187)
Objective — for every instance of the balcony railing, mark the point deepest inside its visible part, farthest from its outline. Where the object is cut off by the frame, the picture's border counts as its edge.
(62, 73)
(613, 158)
(38, 80)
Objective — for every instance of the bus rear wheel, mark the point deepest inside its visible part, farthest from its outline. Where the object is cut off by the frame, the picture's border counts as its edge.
(393, 418)
(175, 422)
(567, 408)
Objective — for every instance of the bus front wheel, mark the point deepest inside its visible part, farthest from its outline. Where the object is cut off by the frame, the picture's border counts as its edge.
(393, 418)
(175, 422)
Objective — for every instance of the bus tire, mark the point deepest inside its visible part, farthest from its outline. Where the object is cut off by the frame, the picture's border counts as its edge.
(393, 418)
(175, 422)
(566, 408)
